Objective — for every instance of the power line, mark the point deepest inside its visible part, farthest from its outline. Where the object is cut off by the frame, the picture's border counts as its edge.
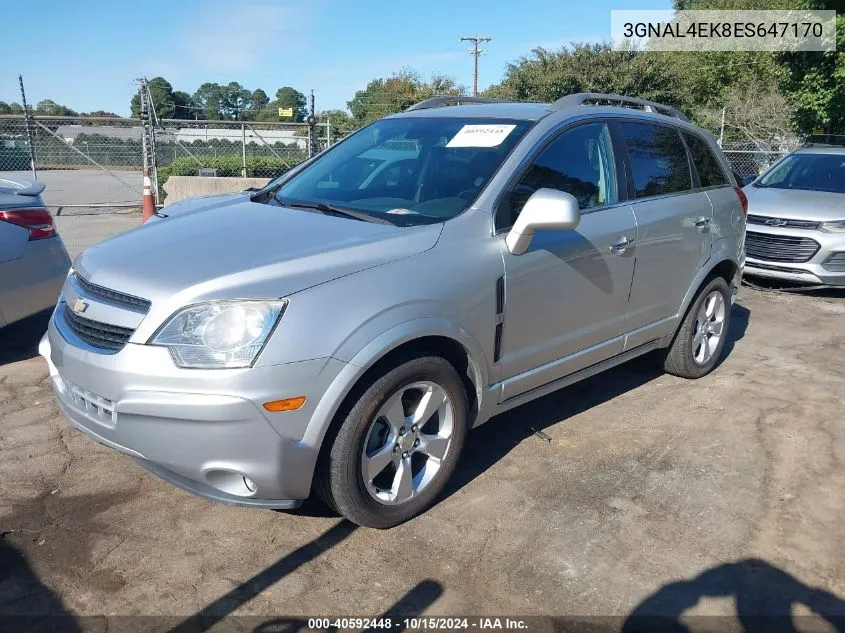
(475, 52)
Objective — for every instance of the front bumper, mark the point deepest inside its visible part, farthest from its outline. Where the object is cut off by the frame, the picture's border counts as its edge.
(824, 268)
(203, 430)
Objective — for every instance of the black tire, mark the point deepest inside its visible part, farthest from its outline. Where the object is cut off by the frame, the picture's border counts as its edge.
(679, 358)
(339, 481)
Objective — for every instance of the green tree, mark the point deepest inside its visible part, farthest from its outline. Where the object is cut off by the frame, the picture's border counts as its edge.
(582, 67)
(161, 93)
(385, 96)
(237, 101)
(5, 108)
(210, 99)
(258, 102)
(341, 122)
(230, 102)
(101, 113)
(48, 107)
(183, 106)
(287, 97)
(813, 83)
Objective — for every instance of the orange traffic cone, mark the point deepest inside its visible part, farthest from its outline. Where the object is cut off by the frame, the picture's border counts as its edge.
(149, 201)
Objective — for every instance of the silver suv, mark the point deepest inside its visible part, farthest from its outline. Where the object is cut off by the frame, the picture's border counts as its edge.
(797, 218)
(343, 328)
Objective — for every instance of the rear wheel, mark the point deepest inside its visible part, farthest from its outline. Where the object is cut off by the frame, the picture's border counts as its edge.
(398, 445)
(700, 341)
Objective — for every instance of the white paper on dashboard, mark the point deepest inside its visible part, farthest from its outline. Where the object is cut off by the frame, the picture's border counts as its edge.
(481, 135)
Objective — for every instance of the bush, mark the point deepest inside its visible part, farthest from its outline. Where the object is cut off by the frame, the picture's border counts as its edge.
(226, 166)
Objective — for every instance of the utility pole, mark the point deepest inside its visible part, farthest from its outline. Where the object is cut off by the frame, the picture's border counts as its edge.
(475, 52)
(28, 130)
(312, 127)
(145, 126)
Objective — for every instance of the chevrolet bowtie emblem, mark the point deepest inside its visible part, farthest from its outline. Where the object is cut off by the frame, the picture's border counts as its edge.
(78, 306)
(776, 222)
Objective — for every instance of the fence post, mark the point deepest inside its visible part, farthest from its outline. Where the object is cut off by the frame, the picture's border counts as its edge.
(328, 133)
(28, 130)
(243, 145)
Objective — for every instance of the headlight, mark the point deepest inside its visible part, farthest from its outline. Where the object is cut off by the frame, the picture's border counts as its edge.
(218, 335)
(837, 226)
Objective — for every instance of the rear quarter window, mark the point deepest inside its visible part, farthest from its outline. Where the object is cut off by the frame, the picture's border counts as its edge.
(659, 162)
(710, 172)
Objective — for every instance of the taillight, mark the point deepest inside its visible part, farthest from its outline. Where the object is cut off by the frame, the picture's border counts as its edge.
(37, 220)
(743, 199)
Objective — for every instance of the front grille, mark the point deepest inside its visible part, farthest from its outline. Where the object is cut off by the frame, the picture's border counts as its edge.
(114, 297)
(835, 263)
(787, 224)
(101, 335)
(779, 248)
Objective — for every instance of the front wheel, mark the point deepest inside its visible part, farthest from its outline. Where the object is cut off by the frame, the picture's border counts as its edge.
(700, 341)
(398, 445)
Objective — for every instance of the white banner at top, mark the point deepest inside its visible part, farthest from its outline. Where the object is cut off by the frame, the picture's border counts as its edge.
(657, 30)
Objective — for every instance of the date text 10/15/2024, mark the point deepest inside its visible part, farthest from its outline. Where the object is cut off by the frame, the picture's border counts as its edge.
(422, 623)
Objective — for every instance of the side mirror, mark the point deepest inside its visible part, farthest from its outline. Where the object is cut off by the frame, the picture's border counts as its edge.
(546, 209)
(747, 180)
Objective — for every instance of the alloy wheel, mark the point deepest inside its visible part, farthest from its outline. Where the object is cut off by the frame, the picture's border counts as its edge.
(407, 442)
(709, 327)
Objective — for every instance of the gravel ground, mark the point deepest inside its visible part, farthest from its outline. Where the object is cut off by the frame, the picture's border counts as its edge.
(721, 496)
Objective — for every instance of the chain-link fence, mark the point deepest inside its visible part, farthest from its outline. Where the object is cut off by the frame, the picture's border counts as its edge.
(114, 147)
(753, 157)
(233, 148)
(70, 142)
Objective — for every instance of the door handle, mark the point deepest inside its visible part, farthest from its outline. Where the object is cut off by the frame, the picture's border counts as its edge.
(701, 222)
(621, 246)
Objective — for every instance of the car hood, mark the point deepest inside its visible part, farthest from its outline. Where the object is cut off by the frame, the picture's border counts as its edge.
(236, 248)
(796, 204)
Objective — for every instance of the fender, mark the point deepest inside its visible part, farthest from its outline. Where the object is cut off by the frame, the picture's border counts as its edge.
(721, 251)
(377, 349)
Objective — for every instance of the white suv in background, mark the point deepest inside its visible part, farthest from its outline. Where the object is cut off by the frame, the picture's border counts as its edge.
(796, 218)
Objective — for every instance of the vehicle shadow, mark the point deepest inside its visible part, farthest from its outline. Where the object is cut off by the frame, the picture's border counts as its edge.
(764, 284)
(25, 602)
(765, 598)
(226, 604)
(490, 442)
(19, 341)
(740, 316)
(412, 604)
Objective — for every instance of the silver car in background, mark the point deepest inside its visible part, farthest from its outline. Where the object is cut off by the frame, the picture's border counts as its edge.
(33, 260)
(796, 218)
(341, 330)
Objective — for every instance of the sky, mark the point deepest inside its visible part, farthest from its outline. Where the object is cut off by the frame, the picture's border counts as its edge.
(86, 55)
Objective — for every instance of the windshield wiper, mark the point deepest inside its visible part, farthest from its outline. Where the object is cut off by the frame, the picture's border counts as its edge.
(325, 207)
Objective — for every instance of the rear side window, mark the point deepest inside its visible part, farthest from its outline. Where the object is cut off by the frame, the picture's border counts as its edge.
(658, 158)
(710, 172)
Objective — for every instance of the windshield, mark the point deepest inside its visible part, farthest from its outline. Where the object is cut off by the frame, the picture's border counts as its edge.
(406, 170)
(816, 172)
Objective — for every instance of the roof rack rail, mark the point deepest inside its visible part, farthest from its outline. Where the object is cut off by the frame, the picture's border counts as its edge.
(439, 102)
(649, 106)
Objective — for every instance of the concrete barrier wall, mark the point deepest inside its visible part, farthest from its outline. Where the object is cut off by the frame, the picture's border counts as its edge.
(181, 187)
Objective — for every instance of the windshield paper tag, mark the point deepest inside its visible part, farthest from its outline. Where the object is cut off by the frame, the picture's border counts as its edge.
(480, 135)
